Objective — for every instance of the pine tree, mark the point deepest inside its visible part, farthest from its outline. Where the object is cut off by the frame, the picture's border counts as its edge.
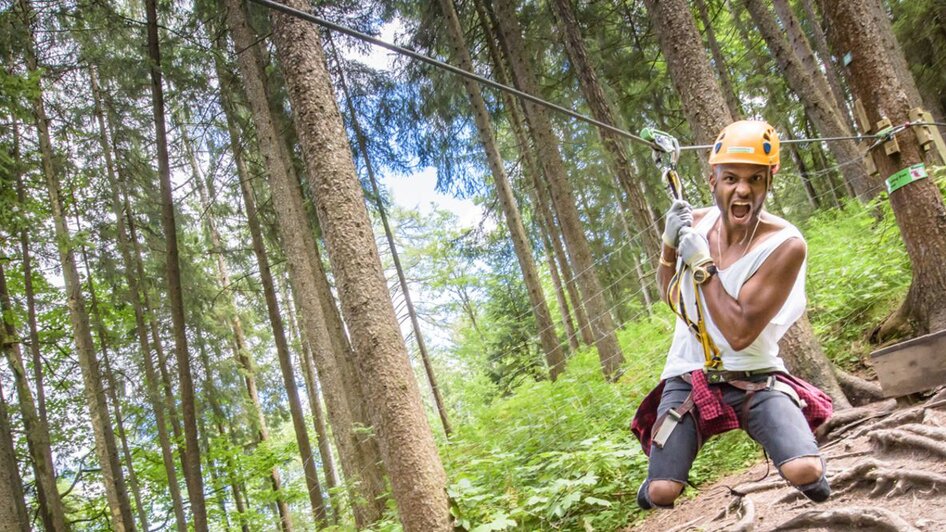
(601, 324)
(191, 456)
(877, 77)
(407, 444)
(554, 355)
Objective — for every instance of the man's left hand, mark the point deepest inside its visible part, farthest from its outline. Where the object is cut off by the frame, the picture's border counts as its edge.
(693, 248)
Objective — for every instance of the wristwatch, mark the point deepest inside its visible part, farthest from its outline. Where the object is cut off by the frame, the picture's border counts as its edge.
(703, 272)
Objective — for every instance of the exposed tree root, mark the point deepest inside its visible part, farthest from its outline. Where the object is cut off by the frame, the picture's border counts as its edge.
(747, 522)
(858, 391)
(939, 396)
(912, 415)
(742, 507)
(895, 326)
(756, 487)
(885, 439)
(853, 417)
(849, 518)
(936, 433)
(886, 480)
(852, 476)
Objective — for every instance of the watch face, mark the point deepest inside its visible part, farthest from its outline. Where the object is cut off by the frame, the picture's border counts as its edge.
(700, 275)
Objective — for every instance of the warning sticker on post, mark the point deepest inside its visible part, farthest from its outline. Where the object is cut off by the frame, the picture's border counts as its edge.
(906, 176)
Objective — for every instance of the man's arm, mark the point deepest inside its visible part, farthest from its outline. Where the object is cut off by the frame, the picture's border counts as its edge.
(668, 258)
(668, 266)
(742, 320)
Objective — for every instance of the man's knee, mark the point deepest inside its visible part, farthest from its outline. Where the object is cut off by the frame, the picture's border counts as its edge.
(807, 474)
(664, 492)
(804, 470)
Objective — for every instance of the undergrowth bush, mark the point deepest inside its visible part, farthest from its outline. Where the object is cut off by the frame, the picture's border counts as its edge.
(858, 271)
(561, 455)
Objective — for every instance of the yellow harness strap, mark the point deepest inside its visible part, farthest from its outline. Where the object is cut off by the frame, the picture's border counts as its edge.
(698, 327)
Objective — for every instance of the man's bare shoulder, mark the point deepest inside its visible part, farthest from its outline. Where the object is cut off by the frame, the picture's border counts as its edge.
(698, 214)
(776, 222)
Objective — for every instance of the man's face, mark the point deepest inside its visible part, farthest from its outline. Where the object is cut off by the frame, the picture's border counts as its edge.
(740, 189)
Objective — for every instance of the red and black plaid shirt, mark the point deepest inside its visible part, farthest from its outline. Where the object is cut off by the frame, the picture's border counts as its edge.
(715, 416)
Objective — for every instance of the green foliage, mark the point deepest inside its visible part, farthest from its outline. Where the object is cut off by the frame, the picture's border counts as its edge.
(858, 271)
(560, 455)
(548, 455)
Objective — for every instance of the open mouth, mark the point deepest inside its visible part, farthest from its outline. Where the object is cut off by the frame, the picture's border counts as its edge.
(740, 211)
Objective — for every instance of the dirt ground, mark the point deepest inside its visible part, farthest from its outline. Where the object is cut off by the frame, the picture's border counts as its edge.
(887, 467)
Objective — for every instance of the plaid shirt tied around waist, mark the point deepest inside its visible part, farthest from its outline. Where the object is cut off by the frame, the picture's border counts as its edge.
(715, 416)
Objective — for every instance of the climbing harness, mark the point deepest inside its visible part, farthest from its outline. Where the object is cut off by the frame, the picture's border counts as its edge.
(666, 154)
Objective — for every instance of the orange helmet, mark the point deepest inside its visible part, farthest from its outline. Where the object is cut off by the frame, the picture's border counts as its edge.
(747, 141)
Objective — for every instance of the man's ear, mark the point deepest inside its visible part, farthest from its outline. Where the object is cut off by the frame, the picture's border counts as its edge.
(712, 180)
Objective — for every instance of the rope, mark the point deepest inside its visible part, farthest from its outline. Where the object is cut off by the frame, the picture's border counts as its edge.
(448, 67)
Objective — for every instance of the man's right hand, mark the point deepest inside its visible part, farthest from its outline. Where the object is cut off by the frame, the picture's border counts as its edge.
(679, 216)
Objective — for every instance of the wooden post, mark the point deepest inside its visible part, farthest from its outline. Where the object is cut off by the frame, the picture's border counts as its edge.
(928, 137)
(863, 123)
(891, 146)
(912, 366)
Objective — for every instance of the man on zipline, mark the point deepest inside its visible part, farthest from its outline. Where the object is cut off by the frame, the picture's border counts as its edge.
(735, 276)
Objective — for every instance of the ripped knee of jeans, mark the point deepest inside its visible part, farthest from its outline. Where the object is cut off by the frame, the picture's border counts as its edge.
(643, 498)
(817, 491)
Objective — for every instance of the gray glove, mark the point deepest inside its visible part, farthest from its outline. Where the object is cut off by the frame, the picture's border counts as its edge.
(694, 248)
(679, 216)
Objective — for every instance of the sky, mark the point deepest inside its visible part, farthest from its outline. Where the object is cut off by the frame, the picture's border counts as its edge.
(415, 191)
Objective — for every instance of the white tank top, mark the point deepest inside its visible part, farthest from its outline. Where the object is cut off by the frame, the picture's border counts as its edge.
(686, 354)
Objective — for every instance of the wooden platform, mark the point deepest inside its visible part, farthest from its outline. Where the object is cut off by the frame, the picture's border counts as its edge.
(912, 366)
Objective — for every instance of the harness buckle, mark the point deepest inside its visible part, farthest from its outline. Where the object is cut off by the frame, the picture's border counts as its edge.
(670, 422)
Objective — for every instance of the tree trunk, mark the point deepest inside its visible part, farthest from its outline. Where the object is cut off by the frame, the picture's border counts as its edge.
(810, 191)
(219, 417)
(13, 513)
(806, 81)
(531, 169)
(29, 292)
(407, 445)
(891, 47)
(241, 353)
(680, 44)
(285, 361)
(703, 103)
(312, 392)
(603, 111)
(359, 470)
(918, 207)
(820, 44)
(722, 68)
(554, 356)
(552, 226)
(218, 492)
(600, 321)
(805, 359)
(37, 432)
(567, 323)
(790, 32)
(134, 295)
(821, 161)
(389, 235)
(46, 477)
(112, 389)
(115, 491)
(192, 473)
(371, 465)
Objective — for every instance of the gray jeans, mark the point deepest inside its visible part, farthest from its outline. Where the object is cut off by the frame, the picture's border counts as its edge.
(775, 421)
